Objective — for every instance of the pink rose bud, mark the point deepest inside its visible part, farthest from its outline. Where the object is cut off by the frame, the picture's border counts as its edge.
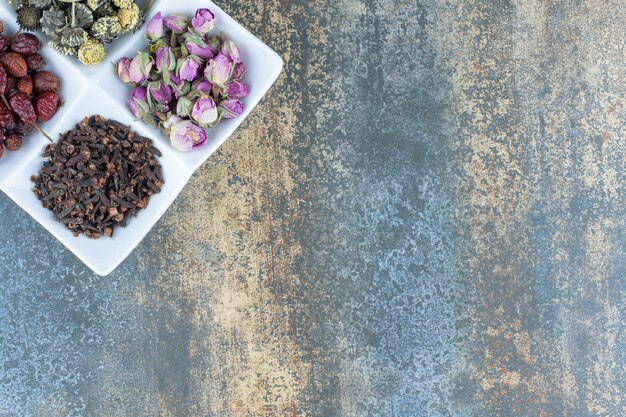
(203, 21)
(236, 89)
(140, 68)
(197, 46)
(138, 103)
(230, 49)
(204, 86)
(204, 112)
(187, 136)
(154, 28)
(160, 92)
(123, 70)
(239, 71)
(219, 70)
(176, 22)
(165, 59)
(188, 67)
(231, 108)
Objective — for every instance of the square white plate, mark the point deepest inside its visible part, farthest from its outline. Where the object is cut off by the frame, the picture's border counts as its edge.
(96, 90)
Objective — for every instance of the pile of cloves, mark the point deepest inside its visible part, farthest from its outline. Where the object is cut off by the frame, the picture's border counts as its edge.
(97, 176)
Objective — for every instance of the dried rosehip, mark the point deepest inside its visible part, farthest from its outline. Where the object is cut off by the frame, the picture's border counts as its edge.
(1, 26)
(14, 63)
(46, 81)
(25, 85)
(46, 105)
(3, 79)
(23, 129)
(11, 84)
(6, 117)
(21, 105)
(1, 150)
(13, 142)
(25, 44)
(35, 62)
(5, 42)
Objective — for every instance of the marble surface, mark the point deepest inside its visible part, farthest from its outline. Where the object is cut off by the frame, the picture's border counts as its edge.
(424, 217)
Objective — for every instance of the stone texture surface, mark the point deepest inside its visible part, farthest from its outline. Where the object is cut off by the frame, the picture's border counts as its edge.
(425, 217)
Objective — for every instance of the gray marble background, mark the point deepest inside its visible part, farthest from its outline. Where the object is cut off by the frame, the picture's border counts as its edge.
(424, 217)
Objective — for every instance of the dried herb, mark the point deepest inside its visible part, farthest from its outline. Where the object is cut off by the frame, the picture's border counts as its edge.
(97, 176)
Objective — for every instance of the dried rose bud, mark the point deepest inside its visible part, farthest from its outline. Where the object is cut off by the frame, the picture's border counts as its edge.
(188, 67)
(236, 89)
(231, 109)
(140, 68)
(203, 21)
(204, 112)
(176, 22)
(219, 70)
(230, 49)
(154, 28)
(160, 92)
(186, 136)
(197, 46)
(123, 70)
(138, 103)
(165, 59)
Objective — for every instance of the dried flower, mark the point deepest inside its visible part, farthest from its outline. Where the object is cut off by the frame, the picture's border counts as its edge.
(123, 70)
(123, 3)
(52, 20)
(197, 46)
(165, 59)
(160, 92)
(83, 16)
(128, 17)
(154, 28)
(28, 17)
(41, 4)
(230, 49)
(219, 70)
(188, 67)
(203, 86)
(106, 28)
(140, 67)
(186, 135)
(73, 37)
(236, 89)
(176, 22)
(96, 4)
(55, 44)
(138, 103)
(231, 109)
(239, 71)
(92, 52)
(204, 112)
(203, 21)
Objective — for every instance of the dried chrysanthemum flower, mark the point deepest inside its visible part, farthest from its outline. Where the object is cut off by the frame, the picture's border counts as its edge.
(52, 20)
(28, 17)
(96, 4)
(128, 17)
(103, 11)
(123, 3)
(106, 29)
(41, 4)
(92, 52)
(73, 37)
(83, 15)
(18, 3)
(55, 44)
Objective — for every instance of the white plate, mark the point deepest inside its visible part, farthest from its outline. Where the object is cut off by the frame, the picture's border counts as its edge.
(96, 90)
